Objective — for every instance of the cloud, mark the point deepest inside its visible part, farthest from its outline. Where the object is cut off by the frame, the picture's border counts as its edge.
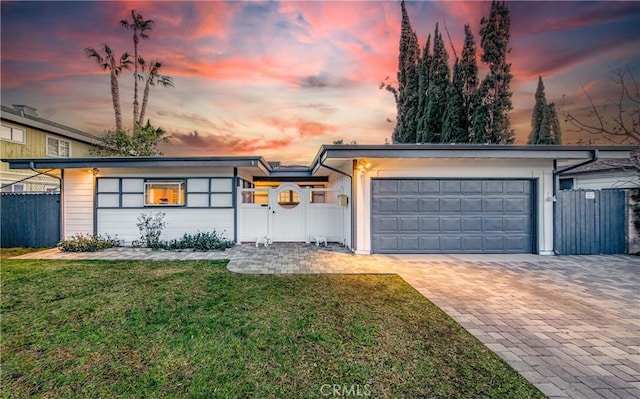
(224, 144)
(304, 128)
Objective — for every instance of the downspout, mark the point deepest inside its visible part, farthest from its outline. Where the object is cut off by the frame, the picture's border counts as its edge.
(556, 173)
(351, 194)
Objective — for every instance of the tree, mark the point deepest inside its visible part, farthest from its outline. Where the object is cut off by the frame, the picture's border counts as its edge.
(538, 115)
(468, 77)
(423, 84)
(545, 126)
(491, 122)
(406, 94)
(617, 120)
(454, 129)
(142, 143)
(153, 78)
(436, 91)
(140, 27)
(107, 61)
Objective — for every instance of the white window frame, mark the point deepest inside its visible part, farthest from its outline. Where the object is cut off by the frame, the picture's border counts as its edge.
(59, 140)
(181, 192)
(11, 139)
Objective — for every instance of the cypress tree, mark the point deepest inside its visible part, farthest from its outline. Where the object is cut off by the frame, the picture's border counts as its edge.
(554, 122)
(454, 129)
(407, 93)
(494, 89)
(437, 91)
(425, 67)
(538, 114)
(469, 78)
(545, 126)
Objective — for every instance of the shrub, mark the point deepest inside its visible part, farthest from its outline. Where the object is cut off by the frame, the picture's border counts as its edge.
(151, 227)
(210, 241)
(88, 243)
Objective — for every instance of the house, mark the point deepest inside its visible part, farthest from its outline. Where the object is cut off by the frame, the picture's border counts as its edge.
(26, 135)
(439, 198)
(603, 174)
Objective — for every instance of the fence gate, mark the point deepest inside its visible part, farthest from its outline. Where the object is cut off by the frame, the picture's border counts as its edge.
(590, 222)
(29, 219)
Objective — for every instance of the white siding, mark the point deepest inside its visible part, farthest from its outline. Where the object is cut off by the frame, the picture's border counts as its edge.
(542, 170)
(122, 222)
(78, 195)
(606, 180)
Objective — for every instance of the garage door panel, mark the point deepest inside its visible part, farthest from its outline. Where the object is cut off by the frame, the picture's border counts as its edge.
(429, 205)
(408, 186)
(430, 224)
(409, 243)
(450, 224)
(472, 243)
(409, 224)
(385, 224)
(472, 224)
(471, 187)
(493, 205)
(471, 205)
(515, 205)
(451, 243)
(451, 205)
(452, 215)
(407, 205)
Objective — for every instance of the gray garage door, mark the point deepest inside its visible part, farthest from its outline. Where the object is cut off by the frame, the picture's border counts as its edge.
(452, 216)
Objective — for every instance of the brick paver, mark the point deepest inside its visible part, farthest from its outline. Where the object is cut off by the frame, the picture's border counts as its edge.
(569, 324)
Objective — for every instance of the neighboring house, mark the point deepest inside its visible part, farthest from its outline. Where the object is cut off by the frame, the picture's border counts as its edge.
(607, 173)
(371, 198)
(26, 135)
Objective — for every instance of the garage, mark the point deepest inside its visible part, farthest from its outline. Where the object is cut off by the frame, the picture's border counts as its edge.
(415, 215)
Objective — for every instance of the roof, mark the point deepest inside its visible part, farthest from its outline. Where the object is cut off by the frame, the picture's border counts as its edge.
(339, 153)
(132, 162)
(608, 165)
(30, 119)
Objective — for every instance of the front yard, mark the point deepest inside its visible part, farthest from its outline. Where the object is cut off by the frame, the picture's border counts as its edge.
(193, 329)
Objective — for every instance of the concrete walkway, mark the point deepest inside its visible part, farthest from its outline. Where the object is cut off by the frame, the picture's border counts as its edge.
(569, 324)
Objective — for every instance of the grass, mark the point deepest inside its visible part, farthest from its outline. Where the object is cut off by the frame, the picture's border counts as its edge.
(193, 329)
(6, 253)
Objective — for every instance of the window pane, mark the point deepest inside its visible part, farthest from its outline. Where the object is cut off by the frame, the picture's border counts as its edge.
(288, 199)
(52, 147)
(17, 135)
(164, 193)
(6, 133)
(64, 148)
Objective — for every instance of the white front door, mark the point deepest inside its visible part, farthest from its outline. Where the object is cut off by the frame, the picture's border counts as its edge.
(287, 204)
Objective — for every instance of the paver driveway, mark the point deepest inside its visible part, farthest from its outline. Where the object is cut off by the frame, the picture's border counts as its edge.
(570, 324)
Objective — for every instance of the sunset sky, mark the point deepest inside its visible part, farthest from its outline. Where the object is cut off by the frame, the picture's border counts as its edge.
(279, 79)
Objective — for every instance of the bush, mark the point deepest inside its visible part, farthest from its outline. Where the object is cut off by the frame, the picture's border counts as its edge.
(151, 227)
(200, 242)
(88, 243)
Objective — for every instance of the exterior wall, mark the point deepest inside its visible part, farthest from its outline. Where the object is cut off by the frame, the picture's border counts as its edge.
(34, 146)
(620, 179)
(77, 202)
(191, 218)
(539, 170)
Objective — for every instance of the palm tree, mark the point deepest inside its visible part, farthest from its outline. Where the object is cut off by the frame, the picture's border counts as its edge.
(107, 61)
(154, 78)
(140, 27)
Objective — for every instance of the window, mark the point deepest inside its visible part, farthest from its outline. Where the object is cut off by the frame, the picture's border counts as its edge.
(164, 193)
(58, 148)
(566, 184)
(288, 199)
(14, 188)
(12, 134)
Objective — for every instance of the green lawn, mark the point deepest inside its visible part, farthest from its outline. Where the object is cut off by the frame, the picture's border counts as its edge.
(193, 329)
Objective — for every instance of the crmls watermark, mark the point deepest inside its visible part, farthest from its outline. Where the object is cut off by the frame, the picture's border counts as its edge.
(345, 390)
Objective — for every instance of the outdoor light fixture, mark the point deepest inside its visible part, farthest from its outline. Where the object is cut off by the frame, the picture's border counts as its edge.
(364, 165)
